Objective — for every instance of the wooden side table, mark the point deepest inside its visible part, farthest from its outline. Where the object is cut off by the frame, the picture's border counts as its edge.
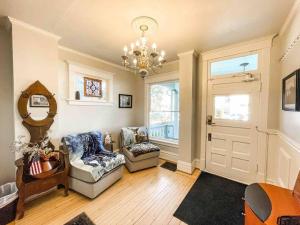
(110, 146)
(29, 186)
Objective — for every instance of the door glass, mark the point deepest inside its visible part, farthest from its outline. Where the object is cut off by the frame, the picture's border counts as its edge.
(234, 65)
(232, 107)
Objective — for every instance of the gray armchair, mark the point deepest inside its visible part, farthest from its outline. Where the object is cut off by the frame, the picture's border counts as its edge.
(139, 152)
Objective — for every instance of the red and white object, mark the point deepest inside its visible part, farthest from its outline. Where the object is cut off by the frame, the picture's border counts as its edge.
(36, 167)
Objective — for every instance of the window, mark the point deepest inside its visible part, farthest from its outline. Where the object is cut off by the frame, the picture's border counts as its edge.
(77, 73)
(232, 107)
(234, 65)
(164, 111)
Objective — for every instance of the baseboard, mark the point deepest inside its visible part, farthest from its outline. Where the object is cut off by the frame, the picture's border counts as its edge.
(185, 167)
(271, 181)
(169, 156)
(197, 163)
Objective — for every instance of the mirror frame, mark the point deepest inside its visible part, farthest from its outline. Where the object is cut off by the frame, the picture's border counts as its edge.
(37, 128)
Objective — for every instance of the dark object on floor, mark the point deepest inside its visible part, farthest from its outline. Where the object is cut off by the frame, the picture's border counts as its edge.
(169, 166)
(81, 219)
(213, 200)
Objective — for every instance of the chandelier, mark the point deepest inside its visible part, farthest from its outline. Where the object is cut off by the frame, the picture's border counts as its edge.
(140, 57)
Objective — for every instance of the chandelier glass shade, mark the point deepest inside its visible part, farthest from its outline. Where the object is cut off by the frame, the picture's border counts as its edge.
(139, 56)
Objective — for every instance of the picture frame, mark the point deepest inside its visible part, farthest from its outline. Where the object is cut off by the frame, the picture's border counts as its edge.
(291, 92)
(39, 101)
(125, 101)
(92, 87)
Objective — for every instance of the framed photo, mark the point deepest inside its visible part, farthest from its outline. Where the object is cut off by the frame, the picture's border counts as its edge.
(125, 101)
(38, 101)
(92, 87)
(291, 92)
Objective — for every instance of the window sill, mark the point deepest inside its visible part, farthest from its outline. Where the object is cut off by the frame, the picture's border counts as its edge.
(169, 143)
(84, 102)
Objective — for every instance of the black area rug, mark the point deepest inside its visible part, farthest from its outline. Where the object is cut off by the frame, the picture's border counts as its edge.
(213, 200)
(81, 219)
(169, 166)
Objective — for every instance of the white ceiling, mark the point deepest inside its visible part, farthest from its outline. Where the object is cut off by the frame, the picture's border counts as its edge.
(102, 27)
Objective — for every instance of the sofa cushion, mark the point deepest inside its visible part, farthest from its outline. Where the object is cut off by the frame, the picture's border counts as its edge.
(142, 135)
(142, 148)
(88, 158)
(128, 137)
(91, 174)
(132, 158)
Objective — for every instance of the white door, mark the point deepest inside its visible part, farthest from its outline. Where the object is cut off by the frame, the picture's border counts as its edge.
(232, 110)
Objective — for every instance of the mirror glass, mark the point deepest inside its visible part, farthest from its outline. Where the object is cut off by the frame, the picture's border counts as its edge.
(38, 107)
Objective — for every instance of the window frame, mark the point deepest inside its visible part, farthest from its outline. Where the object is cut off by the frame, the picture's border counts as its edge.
(256, 52)
(159, 79)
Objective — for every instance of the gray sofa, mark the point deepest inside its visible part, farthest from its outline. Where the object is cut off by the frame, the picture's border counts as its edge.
(139, 152)
(92, 168)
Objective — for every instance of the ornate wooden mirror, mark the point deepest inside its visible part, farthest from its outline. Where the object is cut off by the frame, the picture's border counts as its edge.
(37, 107)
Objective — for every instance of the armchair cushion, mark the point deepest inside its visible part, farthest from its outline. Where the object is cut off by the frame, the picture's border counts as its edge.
(141, 157)
(127, 137)
(88, 158)
(143, 148)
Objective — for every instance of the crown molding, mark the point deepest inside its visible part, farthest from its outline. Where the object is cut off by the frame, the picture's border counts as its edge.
(191, 52)
(91, 57)
(33, 28)
(290, 17)
(247, 46)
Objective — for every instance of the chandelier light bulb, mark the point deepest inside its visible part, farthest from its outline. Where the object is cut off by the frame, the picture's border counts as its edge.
(134, 61)
(160, 58)
(162, 53)
(154, 47)
(125, 49)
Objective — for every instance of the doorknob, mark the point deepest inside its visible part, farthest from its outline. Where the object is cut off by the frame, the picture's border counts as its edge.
(209, 120)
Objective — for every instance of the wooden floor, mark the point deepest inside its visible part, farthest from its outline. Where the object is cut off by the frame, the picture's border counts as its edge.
(147, 197)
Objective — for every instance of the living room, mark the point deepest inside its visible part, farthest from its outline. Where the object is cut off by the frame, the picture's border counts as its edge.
(143, 112)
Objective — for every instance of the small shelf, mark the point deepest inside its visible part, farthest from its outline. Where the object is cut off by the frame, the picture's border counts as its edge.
(86, 102)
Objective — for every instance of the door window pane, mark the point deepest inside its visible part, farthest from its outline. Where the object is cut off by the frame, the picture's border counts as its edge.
(234, 65)
(164, 110)
(232, 107)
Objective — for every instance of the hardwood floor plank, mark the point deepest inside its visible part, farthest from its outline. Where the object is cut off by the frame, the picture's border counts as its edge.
(146, 197)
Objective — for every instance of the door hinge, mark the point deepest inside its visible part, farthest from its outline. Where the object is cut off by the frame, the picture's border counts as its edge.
(257, 168)
(209, 136)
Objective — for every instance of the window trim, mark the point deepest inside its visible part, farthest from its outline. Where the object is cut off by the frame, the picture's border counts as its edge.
(232, 57)
(156, 79)
(76, 69)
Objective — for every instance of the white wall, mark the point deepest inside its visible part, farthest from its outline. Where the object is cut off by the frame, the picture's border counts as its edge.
(284, 147)
(36, 56)
(290, 121)
(74, 118)
(7, 169)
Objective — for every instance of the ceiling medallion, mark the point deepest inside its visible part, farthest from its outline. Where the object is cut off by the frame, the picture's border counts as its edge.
(140, 58)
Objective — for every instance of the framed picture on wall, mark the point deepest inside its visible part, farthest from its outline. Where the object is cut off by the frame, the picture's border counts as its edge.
(38, 101)
(125, 101)
(92, 87)
(291, 92)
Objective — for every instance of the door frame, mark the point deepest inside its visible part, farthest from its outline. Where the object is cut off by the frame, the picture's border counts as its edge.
(263, 48)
